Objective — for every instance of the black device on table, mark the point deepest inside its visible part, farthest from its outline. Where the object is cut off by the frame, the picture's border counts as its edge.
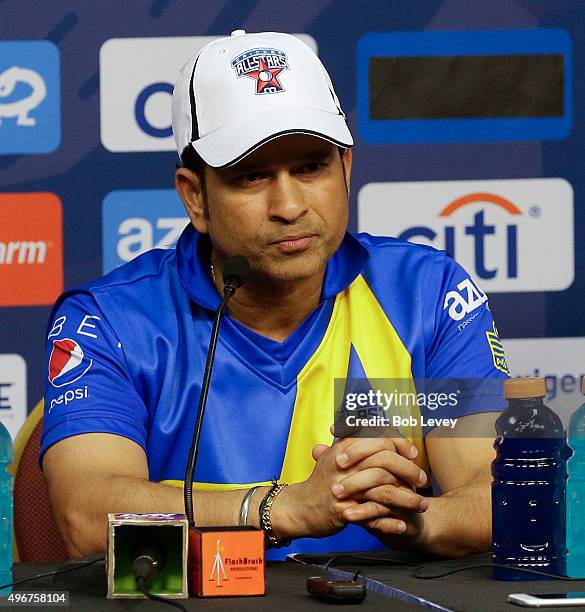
(336, 591)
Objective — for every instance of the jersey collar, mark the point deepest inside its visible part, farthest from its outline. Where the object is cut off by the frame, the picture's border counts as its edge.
(193, 251)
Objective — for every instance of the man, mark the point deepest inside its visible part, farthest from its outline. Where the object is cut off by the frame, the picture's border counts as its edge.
(266, 174)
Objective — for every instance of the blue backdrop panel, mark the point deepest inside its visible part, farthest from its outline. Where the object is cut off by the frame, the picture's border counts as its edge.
(66, 156)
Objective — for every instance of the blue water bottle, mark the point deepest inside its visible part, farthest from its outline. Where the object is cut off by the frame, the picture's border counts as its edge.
(528, 490)
(5, 511)
(576, 493)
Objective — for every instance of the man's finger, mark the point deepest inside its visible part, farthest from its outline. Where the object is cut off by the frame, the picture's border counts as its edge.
(318, 450)
(397, 497)
(398, 466)
(370, 478)
(374, 512)
(386, 524)
(402, 445)
(361, 448)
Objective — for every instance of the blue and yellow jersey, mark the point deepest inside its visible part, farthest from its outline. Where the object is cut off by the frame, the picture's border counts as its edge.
(126, 355)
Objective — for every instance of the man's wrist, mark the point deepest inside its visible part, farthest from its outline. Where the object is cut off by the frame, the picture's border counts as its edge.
(286, 520)
(424, 536)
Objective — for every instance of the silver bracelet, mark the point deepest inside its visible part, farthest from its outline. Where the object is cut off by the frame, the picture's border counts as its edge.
(264, 511)
(246, 506)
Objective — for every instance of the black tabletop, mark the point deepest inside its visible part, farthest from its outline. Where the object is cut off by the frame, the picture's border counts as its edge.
(390, 579)
(286, 590)
(470, 590)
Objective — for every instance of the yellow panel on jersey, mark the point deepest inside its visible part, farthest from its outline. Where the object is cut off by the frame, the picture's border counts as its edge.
(213, 486)
(357, 320)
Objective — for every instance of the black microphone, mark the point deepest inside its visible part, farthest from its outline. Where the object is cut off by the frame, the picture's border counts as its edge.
(235, 274)
(149, 559)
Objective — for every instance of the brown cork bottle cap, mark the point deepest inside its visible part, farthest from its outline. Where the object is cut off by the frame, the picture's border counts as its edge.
(519, 388)
(583, 385)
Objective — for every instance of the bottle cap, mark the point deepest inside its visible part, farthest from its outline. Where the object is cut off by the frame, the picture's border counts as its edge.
(583, 385)
(519, 388)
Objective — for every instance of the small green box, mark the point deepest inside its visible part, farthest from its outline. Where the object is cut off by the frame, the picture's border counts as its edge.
(126, 532)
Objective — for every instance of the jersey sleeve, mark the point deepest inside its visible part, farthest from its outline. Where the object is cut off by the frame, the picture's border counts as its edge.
(463, 351)
(88, 389)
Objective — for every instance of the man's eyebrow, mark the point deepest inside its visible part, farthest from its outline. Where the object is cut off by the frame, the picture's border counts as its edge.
(242, 167)
(248, 167)
(319, 154)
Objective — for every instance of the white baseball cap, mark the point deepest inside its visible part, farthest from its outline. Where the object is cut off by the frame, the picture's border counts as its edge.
(247, 89)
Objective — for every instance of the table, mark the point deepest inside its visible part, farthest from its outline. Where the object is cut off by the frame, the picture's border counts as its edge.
(471, 590)
(389, 587)
(285, 591)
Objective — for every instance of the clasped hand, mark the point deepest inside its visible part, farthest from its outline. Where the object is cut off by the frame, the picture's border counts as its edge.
(369, 481)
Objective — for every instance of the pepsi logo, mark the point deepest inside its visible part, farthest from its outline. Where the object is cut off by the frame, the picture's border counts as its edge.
(67, 363)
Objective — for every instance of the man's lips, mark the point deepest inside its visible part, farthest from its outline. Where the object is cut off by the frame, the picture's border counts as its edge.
(296, 242)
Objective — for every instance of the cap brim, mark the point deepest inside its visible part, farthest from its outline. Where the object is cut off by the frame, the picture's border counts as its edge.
(229, 144)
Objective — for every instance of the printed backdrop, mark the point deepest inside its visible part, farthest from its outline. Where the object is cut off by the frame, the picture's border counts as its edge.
(469, 128)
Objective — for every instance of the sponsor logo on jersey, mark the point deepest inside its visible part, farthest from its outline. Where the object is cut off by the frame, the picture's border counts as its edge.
(13, 404)
(31, 249)
(67, 363)
(465, 300)
(497, 350)
(84, 326)
(69, 396)
(136, 221)
(264, 66)
(29, 97)
(511, 235)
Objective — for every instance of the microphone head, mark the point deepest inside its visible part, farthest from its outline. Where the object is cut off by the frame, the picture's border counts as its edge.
(236, 271)
(149, 557)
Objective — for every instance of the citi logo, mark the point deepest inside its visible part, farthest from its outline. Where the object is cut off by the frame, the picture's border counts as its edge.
(23, 252)
(510, 234)
(478, 232)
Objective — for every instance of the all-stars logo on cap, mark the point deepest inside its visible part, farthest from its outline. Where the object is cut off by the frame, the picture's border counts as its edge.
(224, 117)
(263, 65)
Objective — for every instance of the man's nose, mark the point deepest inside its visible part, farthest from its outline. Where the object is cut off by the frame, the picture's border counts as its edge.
(286, 199)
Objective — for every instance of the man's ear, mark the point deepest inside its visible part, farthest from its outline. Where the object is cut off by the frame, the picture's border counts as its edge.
(191, 191)
(346, 160)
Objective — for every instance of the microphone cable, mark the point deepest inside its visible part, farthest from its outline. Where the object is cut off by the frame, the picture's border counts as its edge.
(417, 568)
(527, 570)
(149, 559)
(65, 570)
(141, 584)
(140, 579)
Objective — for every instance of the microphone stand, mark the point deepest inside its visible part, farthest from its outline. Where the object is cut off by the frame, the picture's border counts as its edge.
(228, 291)
(207, 544)
(151, 557)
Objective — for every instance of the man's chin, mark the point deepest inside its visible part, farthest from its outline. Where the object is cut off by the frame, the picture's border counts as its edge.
(293, 270)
